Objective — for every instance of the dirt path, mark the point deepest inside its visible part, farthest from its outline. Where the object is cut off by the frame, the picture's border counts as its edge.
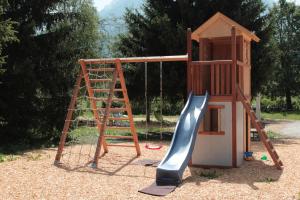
(288, 129)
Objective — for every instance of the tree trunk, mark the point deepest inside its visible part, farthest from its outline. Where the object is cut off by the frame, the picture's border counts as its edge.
(288, 99)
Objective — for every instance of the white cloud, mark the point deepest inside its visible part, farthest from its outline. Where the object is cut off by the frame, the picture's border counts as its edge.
(100, 4)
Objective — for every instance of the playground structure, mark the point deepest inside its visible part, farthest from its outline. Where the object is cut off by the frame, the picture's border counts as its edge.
(213, 130)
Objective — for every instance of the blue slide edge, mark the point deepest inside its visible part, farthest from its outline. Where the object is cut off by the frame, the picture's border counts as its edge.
(171, 168)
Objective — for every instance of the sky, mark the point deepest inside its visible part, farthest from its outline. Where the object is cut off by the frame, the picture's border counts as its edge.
(100, 4)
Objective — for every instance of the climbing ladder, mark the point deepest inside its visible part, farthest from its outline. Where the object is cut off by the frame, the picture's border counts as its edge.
(104, 117)
(259, 127)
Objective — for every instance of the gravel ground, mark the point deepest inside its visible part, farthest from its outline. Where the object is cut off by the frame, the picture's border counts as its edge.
(287, 129)
(33, 176)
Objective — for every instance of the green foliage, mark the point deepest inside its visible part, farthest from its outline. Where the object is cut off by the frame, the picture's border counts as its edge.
(41, 68)
(273, 135)
(267, 180)
(209, 174)
(7, 158)
(292, 115)
(7, 32)
(160, 29)
(278, 104)
(286, 82)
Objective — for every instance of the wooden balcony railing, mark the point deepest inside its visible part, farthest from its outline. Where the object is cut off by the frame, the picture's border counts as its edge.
(212, 76)
(215, 76)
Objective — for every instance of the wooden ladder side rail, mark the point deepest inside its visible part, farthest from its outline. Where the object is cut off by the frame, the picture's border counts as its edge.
(128, 107)
(101, 138)
(92, 101)
(68, 118)
(262, 134)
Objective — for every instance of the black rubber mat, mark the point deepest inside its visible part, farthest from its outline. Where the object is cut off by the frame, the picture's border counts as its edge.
(158, 190)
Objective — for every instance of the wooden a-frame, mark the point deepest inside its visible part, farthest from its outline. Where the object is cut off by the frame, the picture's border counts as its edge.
(101, 121)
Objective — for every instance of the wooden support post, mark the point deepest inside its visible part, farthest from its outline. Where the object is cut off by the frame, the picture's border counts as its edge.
(233, 55)
(189, 53)
(101, 138)
(68, 118)
(128, 107)
(200, 68)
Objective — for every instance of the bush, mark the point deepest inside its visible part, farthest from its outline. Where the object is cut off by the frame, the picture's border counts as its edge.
(278, 104)
(170, 107)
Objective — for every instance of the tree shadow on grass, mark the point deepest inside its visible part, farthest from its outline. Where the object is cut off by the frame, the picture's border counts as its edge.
(249, 173)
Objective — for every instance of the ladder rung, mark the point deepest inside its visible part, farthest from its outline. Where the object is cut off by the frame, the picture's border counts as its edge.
(100, 80)
(120, 145)
(113, 109)
(101, 69)
(107, 90)
(118, 118)
(117, 127)
(105, 99)
(118, 136)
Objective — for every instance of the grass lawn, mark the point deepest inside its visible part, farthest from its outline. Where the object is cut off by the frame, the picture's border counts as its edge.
(281, 115)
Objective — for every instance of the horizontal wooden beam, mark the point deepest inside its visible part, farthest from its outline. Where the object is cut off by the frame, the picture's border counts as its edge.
(215, 106)
(176, 58)
(211, 133)
(208, 62)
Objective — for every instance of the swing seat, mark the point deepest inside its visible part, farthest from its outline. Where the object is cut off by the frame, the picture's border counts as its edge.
(153, 147)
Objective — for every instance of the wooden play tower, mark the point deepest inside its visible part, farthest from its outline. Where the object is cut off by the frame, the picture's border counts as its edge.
(224, 70)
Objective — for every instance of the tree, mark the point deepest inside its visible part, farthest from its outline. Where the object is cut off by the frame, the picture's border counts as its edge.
(41, 67)
(160, 29)
(286, 82)
(7, 32)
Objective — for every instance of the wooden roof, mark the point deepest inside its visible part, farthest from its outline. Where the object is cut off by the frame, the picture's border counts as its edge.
(220, 26)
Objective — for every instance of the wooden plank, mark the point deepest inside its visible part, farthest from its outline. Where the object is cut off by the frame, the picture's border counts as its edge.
(211, 133)
(233, 91)
(105, 118)
(101, 69)
(228, 79)
(222, 79)
(118, 127)
(189, 59)
(128, 106)
(212, 79)
(118, 118)
(106, 90)
(105, 99)
(113, 109)
(215, 106)
(118, 137)
(208, 62)
(200, 78)
(100, 80)
(176, 58)
(261, 132)
(217, 82)
(68, 118)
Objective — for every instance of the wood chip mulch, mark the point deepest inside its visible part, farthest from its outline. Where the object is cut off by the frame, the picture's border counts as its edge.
(33, 176)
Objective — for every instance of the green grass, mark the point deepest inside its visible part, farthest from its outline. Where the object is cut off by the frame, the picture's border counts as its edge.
(209, 174)
(273, 135)
(281, 115)
(88, 135)
(5, 158)
(267, 180)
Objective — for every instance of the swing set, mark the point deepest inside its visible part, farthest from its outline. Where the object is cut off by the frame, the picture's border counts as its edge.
(105, 86)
